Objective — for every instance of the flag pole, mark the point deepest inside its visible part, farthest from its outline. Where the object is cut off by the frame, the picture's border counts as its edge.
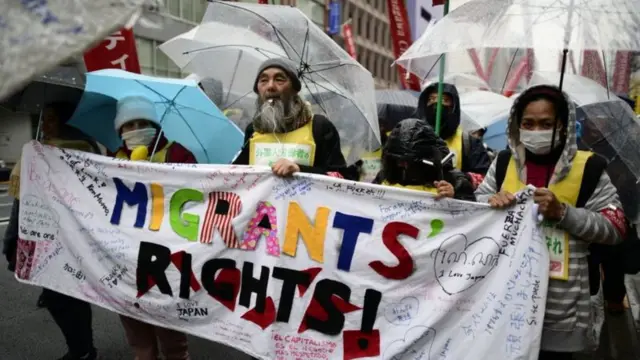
(441, 80)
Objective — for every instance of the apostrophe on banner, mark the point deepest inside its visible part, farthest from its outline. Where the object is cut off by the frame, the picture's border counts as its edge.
(38, 221)
(402, 312)
(459, 265)
(415, 345)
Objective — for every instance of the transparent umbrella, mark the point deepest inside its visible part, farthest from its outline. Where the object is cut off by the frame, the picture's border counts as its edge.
(36, 36)
(612, 130)
(580, 89)
(342, 89)
(481, 109)
(539, 24)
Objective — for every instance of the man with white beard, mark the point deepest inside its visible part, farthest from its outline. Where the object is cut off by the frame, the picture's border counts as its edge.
(284, 133)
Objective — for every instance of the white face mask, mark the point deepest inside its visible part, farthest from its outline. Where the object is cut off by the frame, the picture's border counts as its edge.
(539, 141)
(140, 137)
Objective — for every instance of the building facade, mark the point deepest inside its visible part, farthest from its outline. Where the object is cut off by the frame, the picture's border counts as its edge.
(370, 26)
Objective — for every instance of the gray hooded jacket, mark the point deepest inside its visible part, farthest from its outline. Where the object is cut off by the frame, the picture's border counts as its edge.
(567, 322)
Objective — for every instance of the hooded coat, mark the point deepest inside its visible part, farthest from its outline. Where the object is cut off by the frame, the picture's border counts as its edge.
(475, 157)
(414, 140)
(567, 323)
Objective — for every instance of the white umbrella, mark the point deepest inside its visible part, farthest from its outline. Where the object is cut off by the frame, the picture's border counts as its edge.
(580, 89)
(34, 39)
(480, 109)
(241, 36)
(464, 82)
(554, 25)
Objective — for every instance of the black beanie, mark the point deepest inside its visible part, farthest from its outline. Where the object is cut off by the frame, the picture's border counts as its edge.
(286, 65)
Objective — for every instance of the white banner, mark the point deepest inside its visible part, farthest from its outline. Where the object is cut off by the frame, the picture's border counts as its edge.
(310, 267)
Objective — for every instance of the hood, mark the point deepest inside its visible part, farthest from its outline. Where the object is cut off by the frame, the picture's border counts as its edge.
(447, 128)
(414, 139)
(569, 151)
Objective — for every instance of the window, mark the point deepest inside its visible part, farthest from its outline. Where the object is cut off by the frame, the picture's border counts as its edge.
(162, 64)
(186, 9)
(199, 8)
(173, 6)
(145, 49)
(153, 61)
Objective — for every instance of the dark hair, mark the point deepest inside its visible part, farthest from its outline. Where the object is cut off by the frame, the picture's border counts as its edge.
(64, 110)
(551, 93)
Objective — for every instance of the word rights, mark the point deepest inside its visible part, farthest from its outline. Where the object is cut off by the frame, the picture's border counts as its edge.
(306, 267)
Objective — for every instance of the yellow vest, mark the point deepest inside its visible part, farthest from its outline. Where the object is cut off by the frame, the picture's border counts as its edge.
(159, 157)
(413, 187)
(371, 165)
(297, 146)
(454, 144)
(567, 191)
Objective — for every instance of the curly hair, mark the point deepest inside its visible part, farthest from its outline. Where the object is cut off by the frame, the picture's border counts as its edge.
(551, 93)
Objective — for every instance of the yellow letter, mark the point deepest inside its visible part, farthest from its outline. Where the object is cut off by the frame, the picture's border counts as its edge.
(312, 235)
(157, 206)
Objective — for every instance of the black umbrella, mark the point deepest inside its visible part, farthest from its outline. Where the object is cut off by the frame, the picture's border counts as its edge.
(395, 106)
(62, 84)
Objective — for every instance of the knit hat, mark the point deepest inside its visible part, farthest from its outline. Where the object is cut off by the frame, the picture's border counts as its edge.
(135, 108)
(286, 65)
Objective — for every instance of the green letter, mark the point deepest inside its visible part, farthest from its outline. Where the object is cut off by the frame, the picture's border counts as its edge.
(185, 225)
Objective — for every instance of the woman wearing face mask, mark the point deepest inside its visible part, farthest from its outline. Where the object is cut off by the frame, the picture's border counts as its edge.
(579, 206)
(138, 124)
(415, 158)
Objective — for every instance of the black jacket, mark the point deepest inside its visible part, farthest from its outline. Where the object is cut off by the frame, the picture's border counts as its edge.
(328, 154)
(475, 157)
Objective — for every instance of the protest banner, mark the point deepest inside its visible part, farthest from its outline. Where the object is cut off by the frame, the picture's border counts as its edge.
(309, 267)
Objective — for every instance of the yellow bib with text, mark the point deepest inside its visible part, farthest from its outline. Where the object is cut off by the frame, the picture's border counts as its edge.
(567, 191)
(158, 157)
(371, 165)
(454, 144)
(297, 146)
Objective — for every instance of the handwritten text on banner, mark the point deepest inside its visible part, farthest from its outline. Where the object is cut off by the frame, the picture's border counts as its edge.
(308, 267)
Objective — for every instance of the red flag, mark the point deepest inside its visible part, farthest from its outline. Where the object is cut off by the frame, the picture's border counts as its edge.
(401, 35)
(349, 43)
(622, 72)
(437, 2)
(117, 51)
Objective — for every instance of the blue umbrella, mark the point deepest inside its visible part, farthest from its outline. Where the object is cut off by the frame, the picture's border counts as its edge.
(496, 135)
(187, 115)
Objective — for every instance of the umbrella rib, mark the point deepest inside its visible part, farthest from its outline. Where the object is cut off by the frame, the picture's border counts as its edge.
(173, 104)
(275, 30)
(216, 47)
(336, 91)
(304, 79)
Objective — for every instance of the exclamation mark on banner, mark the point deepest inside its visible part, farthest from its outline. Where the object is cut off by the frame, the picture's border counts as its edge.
(369, 313)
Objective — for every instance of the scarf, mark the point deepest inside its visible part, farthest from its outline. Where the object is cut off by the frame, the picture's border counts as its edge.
(14, 178)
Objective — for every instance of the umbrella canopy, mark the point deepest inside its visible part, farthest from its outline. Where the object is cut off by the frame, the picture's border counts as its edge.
(580, 89)
(62, 84)
(611, 129)
(601, 25)
(186, 114)
(481, 109)
(35, 38)
(284, 31)
(395, 106)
